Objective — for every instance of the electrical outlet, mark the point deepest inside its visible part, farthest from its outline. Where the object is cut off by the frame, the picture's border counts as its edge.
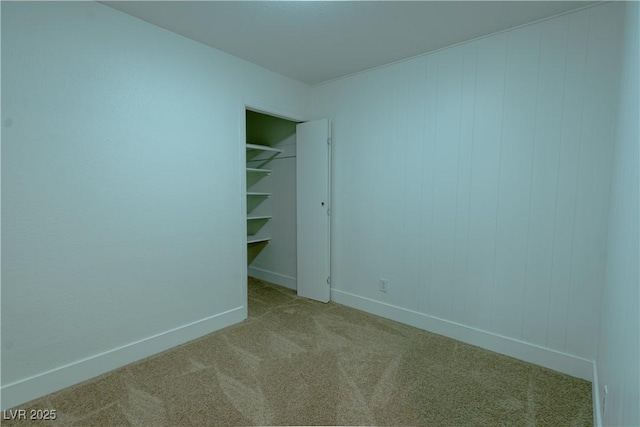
(384, 285)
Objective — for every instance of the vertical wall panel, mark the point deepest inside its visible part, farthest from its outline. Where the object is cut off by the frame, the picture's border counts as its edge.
(379, 184)
(412, 108)
(463, 194)
(447, 141)
(568, 164)
(342, 125)
(517, 138)
(356, 187)
(404, 237)
(544, 175)
(485, 175)
(427, 123)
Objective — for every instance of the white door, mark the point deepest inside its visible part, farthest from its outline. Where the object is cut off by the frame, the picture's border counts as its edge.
(313, 170)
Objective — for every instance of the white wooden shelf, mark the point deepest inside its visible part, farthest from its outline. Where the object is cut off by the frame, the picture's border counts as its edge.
(258, 171)
(258, 218)
(252, 240)
(257, 147)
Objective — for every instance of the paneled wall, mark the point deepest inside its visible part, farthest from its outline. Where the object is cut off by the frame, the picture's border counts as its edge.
(476, 180)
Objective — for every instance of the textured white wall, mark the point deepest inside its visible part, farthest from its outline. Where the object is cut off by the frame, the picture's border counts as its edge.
(476, 180)
(121, 181)
(618, 358)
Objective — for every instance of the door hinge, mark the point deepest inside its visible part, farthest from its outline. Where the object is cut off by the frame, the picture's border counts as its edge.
(329, 280)
(329, 212)
(328, 141)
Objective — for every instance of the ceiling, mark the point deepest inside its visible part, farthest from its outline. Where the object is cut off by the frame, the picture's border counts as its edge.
(314, 42)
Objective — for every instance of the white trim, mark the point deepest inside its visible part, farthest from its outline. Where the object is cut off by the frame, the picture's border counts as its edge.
(548, 358)
(595, 394)
(25, 390)
(242, 191)
(270, 276)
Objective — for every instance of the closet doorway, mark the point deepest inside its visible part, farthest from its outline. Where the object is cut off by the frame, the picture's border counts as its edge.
(288, 203)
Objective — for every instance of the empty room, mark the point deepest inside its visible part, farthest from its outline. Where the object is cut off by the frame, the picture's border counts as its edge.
(320, 213)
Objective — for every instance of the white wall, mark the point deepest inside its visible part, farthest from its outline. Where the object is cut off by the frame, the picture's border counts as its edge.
(618, 358)
(122, 212)
(476, 180)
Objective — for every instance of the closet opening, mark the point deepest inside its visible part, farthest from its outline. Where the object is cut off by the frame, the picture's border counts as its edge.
(287, 202)
(271, 198)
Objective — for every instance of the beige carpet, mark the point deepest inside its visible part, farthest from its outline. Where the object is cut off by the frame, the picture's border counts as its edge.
(298, 362)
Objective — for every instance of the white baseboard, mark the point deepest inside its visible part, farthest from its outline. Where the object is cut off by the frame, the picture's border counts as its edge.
(595, 394)
(270, 276)
(552, 359)
(22, 391)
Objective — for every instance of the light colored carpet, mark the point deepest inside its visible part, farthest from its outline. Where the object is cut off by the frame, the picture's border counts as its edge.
(298, 362)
